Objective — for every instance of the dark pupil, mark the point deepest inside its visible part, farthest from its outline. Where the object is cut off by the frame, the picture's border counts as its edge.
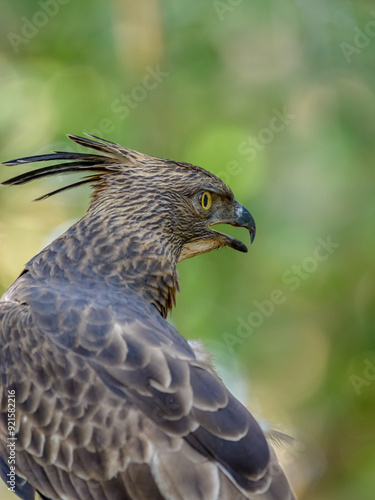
(205, 200)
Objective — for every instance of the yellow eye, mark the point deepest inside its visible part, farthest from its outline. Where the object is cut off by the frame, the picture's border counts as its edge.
(206, 200)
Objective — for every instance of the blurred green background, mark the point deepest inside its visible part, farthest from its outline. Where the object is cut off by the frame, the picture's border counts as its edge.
(276, 97)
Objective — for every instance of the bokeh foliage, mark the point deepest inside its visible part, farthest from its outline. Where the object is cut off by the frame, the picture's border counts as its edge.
(226, 72)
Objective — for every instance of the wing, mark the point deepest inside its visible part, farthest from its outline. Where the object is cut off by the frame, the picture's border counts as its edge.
(112, 403)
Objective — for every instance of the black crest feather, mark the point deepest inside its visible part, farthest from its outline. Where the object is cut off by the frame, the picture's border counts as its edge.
(109, 162)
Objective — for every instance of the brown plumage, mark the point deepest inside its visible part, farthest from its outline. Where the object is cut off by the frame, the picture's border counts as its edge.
(112, 403)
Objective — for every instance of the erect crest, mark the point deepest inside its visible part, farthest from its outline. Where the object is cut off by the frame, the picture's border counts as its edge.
(112, 161)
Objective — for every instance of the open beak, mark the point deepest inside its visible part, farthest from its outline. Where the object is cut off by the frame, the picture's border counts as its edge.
(242, 218)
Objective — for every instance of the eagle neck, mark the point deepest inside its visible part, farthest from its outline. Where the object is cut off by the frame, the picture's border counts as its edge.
(107, 253)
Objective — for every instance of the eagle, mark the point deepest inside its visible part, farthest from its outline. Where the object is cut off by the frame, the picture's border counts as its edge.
(109, 401)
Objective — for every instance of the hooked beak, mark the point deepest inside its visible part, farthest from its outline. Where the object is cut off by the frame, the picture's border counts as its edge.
(242, 218)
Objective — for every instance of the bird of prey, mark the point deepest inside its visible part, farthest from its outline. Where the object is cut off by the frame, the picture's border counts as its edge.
(111, 402)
